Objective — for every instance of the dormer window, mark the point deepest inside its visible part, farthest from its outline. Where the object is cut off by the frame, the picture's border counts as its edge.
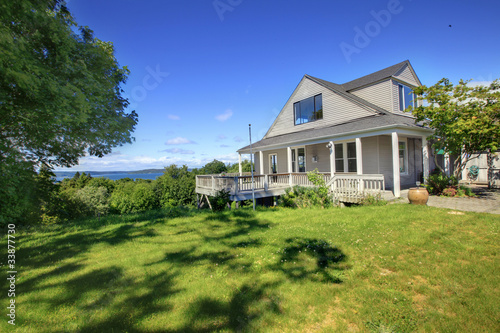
(406, 98)
(309, 109)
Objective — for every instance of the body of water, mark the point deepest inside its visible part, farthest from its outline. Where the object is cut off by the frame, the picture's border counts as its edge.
(116, 176)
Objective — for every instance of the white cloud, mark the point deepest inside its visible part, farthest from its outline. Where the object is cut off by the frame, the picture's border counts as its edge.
(173, 117)
(224, 116)
(177, 151)
(224, 146)
(179, 141)
(479, 83)
(237, 139)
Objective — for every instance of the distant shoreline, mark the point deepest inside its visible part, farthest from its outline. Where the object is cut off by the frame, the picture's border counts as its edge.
(72, 173)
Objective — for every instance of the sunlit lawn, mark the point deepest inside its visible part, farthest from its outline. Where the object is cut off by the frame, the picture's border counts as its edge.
(398, 268)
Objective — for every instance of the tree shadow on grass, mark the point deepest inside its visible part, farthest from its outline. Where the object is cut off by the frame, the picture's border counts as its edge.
(246, 305)
(71, 245)
(312, 259)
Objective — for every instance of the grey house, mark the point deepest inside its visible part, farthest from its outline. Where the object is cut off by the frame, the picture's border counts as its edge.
(352, 131)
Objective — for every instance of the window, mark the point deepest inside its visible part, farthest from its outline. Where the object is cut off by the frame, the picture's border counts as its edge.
(273, 163)
(351, 157)
(309, 109)
(339, 157)
(294, 160)
(403, 160)
(301, 152)
(345, 157)
(406, 97)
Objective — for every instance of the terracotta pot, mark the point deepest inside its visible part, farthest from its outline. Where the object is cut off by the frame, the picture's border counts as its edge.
(418, 195)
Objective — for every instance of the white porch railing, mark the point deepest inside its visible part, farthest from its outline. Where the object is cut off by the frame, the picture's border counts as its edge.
(353, 188)
(345, 188)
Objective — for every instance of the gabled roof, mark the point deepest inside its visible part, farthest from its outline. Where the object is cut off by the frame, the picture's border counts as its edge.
(378, 120)
(341, 91)
(377, 76)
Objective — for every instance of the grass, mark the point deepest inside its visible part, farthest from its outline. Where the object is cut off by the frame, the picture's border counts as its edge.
(397, 268)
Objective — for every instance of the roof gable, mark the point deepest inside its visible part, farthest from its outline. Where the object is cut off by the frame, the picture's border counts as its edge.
(391, 71)
(338, 107)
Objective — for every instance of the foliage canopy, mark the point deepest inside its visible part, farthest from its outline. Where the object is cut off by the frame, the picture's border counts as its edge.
(60, 96)
(465, 119)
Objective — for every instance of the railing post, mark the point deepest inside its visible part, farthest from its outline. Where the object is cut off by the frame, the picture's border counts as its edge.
(236, 185)
(266, 182)
(213, 183)
(290, 181)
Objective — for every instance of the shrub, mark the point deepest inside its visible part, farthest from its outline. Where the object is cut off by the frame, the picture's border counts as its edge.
(93, 200)
(132, 197)
(450, 191)
(220, 200)
(373, 200)
(438, 182)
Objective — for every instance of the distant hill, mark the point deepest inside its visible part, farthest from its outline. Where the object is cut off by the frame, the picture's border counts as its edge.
(96, 173)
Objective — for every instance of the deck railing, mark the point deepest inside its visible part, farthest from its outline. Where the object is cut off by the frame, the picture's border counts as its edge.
(346, 188)
(353, 188)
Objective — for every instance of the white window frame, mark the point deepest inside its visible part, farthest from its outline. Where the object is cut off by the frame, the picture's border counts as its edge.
(345, 158)
(405, 96)
(296, 162)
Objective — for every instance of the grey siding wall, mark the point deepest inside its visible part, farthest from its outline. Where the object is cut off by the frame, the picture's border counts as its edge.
(323, 154)
(385, 160)
(336, 110)
(406, 75)
(379, 94)
(369, 147)
(282, 160)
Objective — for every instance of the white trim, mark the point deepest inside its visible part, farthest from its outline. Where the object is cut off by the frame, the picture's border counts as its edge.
(425, 158)
(289, 159)
(359, 157)
(240, 169)
(332, 158)
(395, 165)
(261, 162)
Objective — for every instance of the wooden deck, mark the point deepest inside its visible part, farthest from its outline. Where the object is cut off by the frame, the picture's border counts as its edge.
(343, 187)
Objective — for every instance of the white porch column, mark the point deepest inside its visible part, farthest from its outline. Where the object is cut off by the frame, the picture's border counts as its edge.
(239, 165)
(359, 157)
(289, 159)
(261, 162)
(395, 165)
(332, 158)
(446, 159)
(425, 158)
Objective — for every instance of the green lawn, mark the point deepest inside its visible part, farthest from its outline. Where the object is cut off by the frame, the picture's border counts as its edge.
(397, 268)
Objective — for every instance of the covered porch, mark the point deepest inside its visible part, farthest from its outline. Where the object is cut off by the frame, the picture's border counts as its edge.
(398, 154)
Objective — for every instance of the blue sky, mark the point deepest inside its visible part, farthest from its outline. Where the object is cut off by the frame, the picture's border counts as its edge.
(202, 70)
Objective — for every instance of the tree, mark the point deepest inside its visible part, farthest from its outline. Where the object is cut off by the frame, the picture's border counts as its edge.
(214, 167)
(60, 91)
(245, 167)
(465, 119)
